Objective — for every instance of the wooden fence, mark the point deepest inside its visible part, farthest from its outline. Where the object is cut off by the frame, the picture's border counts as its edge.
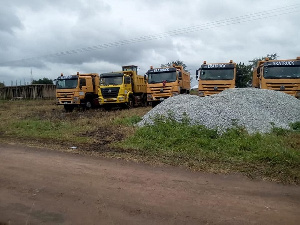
(33, 91)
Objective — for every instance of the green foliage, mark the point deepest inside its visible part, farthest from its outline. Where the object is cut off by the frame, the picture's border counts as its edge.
(43, 81)
(176, 62)
(254, 61)
(244, 72)
(295, 126)
(243, 75)
(262, 155)
(2, 85)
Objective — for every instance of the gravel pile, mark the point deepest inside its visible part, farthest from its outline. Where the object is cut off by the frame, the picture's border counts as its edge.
(255, 109)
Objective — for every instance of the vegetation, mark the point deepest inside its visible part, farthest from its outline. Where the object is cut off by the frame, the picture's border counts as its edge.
(254, 61)
(274, 156)
(41, 121)
(43, 81)
(2, 85)
(243, 75)
(176, 62)
(244, 72)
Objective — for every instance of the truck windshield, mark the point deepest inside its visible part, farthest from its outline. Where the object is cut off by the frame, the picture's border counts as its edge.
(111, 80)
(66, 83)
(162, 76)
(217, 74)
(282, 72)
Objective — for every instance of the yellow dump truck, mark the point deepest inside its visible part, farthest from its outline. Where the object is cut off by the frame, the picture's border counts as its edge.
(215, 77)
(124, 88)
(77, 90)
(167, 82)
(278, 75)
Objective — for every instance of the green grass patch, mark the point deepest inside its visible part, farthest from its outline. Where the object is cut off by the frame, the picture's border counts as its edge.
(45, 129)
(257, 155)
(128, 121)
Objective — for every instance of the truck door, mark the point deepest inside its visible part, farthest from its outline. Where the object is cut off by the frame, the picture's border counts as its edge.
(82, 85)
(128, 84)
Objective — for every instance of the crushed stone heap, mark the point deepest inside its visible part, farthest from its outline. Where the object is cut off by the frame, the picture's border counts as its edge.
(257, 110)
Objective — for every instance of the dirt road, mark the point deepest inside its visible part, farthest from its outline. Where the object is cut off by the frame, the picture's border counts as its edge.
(39, 186)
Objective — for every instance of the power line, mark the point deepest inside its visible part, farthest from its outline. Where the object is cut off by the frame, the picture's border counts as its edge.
(210, 25)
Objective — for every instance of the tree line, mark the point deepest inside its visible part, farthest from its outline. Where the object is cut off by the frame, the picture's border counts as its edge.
(39, 81)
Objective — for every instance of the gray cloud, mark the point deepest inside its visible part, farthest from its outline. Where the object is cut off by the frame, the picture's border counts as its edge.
(66, 36)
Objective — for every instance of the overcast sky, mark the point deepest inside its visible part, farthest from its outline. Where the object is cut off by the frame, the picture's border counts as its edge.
(45, 38)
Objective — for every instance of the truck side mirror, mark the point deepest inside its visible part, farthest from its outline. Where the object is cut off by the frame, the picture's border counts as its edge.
(258, 71)
(197, 74)
(180, 75)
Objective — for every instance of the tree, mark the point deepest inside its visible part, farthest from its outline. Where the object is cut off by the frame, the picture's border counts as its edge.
(177, 63)
(42, 81)
(244, 72)
(254, 61)
(243, 75)
(2, 85)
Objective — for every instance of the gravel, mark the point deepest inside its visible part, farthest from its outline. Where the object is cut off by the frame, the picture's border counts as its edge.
(257, 110)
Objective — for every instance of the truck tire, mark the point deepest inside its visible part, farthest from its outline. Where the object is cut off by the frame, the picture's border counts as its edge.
(88, 104)
(130, 103)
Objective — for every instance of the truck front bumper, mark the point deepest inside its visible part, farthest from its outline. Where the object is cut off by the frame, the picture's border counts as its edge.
(118, 100)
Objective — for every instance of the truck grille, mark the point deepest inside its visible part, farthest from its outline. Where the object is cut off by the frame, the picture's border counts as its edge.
(110, 92)
(287, 88)
(161, 91)
(65, 96)
(211, 89)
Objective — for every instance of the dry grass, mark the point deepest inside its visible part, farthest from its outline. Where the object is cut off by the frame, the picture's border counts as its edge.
(43, 120)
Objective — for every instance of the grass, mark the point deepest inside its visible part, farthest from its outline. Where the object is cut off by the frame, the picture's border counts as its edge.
(129, 121)
(42, 119)
(274, 156)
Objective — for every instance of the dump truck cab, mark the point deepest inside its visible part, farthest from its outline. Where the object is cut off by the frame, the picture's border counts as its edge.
(166, 82)
(215, 77)
(77, 90)
(278, 75)
(124, 87)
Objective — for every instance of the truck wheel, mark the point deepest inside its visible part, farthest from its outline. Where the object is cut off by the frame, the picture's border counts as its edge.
(130, 102)
(88, 104)
(69, 108)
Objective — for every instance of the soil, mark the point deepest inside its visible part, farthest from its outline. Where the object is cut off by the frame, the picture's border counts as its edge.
(43, 186)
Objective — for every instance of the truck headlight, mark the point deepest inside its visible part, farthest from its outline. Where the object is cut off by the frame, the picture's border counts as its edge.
(121, 98)
(149, 96)
(76, 98)
(201, 93)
